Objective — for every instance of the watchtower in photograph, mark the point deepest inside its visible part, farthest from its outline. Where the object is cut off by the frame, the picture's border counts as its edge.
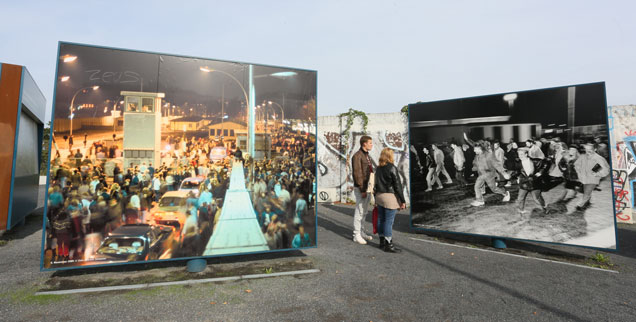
(142, 127)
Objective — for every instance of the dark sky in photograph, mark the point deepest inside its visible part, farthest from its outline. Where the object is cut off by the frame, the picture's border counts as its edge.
(180, 78)
(545, 106)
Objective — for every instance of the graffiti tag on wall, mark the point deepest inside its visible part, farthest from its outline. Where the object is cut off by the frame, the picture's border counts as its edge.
(334, 160)
(621, 195)
(622, 126)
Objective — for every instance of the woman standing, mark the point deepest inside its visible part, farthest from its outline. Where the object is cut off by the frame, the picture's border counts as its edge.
(388, 197)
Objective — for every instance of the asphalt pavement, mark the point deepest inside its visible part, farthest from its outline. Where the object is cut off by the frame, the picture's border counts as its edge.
(437, 277)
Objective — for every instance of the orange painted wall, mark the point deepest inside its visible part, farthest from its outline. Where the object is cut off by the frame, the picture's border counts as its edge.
(9, 100)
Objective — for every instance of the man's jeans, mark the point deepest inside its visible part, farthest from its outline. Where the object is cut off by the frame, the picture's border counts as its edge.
(362, 207)
(490, 180)
(385, 221)
(536, 195)
(432, 178)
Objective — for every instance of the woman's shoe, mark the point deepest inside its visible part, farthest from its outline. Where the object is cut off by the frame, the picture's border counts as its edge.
(382, 242)
(390, 248)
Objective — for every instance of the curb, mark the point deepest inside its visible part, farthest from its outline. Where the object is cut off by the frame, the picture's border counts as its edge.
(187, 282)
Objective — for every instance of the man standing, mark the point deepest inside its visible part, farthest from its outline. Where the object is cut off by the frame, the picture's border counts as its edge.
(459, 160)
(469, 155)
(143, 168)
(431, 175)
(590, 168)
(510, 158)
(486, 166)
(362, 169)
(156, 187)
(416, 159)
(499, 156)
(78, 158)
(238, 154)
(535, 149)
(531, 171)
(151, 170)
(438, 155)
(570, 177)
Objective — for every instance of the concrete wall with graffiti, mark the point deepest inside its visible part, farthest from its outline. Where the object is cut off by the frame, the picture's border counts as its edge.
(622, 125)
(335, 183)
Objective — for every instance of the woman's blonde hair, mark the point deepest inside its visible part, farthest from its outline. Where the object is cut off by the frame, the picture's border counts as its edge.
(386, 156)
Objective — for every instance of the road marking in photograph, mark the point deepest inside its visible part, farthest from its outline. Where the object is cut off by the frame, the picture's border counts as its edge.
(188, 282)
(515, 255)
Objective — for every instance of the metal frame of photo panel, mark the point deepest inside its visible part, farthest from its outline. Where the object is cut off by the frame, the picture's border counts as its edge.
(184, 259)
(494, 237)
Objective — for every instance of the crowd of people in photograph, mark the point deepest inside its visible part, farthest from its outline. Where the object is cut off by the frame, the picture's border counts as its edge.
(91, 194)
(535, 166)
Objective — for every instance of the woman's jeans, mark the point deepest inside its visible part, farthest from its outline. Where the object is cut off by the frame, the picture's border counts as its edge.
(385, 221)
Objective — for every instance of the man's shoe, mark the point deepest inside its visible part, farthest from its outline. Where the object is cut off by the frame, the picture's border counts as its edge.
(506, 198)
(584, 206)
(522, 212)
(365, 236)
(382, 242)
(477, 203)
(427, 190)
(358, 239)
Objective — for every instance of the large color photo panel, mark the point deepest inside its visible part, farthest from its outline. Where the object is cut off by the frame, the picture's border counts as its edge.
(158, 157)
(531, 165)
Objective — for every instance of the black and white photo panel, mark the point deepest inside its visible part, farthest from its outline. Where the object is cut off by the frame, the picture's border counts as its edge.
(529, 165)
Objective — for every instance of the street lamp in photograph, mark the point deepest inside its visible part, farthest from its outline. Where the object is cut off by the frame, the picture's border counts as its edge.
(283, 74)
(207, 69)
(282, 112)
(510, 98)
(68, 58)
(73, 101)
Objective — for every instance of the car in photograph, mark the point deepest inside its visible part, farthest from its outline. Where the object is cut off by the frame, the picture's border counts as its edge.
(170, 210)
(218, 153)
(136, 242)
(191, 184)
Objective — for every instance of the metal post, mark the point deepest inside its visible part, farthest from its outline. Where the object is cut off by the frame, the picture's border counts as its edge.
(571, 106)
(250, 130)
(222, 110)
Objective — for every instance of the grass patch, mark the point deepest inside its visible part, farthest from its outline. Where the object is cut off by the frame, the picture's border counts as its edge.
(27, 295)
(3, 242)
(600, 260)
(43, 299)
